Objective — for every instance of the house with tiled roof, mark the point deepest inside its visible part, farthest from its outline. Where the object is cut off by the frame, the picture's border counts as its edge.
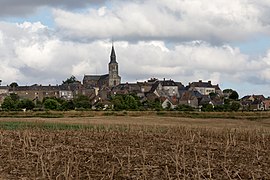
(253, 102)
(205, 88)
(189, 98)
(36, 92)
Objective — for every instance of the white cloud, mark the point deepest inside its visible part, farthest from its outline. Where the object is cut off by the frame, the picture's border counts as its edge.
(26, 7)
(214, 21)
(30, 53)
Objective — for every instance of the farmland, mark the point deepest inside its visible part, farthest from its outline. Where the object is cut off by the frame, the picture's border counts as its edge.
(131, 146)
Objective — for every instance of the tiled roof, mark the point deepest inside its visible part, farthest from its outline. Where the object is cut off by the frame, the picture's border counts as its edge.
(91, 77)
(168, 83)
(36, 88)
(200, 84)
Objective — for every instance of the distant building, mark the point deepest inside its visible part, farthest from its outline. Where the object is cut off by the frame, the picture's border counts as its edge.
(107, 80)
(205, 88)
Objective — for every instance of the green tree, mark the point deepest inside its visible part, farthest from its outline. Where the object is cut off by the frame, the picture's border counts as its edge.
(14, 84)
(26, 104)
(8, 104)
(118, 102)
(154, 105)
(131, 103)
(70, 80)
(68, 105)
(228, 91)
(235, 106)
(51, 104)
(82, 101)
(213, 95)
(234, 95)
(207, 107)
(14, 97)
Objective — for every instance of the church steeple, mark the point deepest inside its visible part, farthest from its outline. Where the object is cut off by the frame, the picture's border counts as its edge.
(113, 56)
(114, 78)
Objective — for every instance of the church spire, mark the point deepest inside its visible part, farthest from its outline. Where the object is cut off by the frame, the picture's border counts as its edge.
(113, 56)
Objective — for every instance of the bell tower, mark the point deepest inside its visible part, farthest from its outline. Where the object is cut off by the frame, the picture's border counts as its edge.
(114, 78)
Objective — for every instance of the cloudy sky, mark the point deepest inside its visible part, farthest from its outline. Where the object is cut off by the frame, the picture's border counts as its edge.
(227, 42)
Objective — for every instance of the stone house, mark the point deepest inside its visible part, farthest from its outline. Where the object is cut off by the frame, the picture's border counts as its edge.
(253, 102)
(189, 98)
(168, 103)
(266, 104)
(36, 92)
(205, 88)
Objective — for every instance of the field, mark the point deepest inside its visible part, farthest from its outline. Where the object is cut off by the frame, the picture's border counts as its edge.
(134, 147)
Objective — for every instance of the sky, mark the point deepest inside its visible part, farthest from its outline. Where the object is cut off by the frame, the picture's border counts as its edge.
(227, 42)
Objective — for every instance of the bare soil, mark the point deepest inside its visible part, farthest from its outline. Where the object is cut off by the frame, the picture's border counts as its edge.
(128, 147)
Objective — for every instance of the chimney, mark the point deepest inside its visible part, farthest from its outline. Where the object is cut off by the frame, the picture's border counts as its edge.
(209, 82)
(200, 81)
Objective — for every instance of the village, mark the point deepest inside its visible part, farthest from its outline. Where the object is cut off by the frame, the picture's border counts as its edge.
(106, 91)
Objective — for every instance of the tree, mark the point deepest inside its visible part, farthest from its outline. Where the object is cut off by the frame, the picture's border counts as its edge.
(207, 107)
(234, 95)
(8, 104)
(11, 102)
(67, 105)
(82, 101)
(235, 106)
(51, 104)
(14, 97)
(131, 102)
(231, 94)
(70, 80)
(213, 95)
(26, 104)
(14, 84)
(118, 102)
(227, 91)
(154, 105)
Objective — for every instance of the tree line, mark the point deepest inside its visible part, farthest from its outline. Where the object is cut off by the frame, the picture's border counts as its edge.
(14, 103)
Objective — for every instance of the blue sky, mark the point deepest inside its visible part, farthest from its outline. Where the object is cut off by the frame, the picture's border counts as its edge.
(228, 43)
(44, 15)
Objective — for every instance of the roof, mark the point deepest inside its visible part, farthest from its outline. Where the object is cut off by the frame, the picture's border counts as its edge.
(95, 77)
(255, 97)
(4, 87)
(188, 95)
(180, 86)
(154, 87)
(102, 77)
(36, 87)
(201, 84)
(168, 83)
(91, 77)
(71, 87)
(113, 56)
(131, 87)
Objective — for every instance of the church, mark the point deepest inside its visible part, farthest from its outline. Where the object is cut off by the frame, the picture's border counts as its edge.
(107, 80)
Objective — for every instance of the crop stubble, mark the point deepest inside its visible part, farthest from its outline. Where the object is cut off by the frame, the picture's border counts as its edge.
(135, 152)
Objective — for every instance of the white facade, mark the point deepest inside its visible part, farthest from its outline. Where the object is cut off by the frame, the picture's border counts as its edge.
(171, 90)
(205, 90)
(68, 95)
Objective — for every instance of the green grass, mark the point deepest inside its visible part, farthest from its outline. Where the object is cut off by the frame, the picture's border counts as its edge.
(19, 125)
(31, 125)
